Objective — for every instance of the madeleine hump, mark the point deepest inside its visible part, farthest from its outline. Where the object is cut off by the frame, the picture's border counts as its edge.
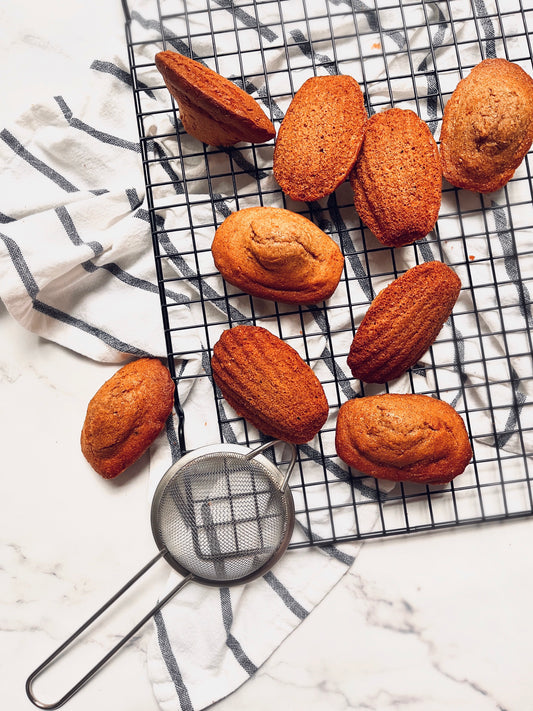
(487, 127)
(266, 381)
(403, 321)
(212, 108)
(320, 137)
(126, 415)
(278, 255)
(397, 178)
(403, 438)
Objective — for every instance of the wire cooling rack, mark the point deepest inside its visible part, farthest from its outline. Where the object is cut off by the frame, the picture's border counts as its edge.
(405, 54)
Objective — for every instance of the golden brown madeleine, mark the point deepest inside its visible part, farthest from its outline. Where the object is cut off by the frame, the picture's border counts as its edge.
(397, 179)
(320, 137)
(126, 415)
(487, 127)
(212, 108)
(403, 321)
(403, 438)
(277, 254)
(266, 381)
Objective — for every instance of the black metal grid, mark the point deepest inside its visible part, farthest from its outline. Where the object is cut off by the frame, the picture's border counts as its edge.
(406, 54)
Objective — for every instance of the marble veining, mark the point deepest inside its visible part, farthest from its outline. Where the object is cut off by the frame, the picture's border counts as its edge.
(428, 622)
(422, 623)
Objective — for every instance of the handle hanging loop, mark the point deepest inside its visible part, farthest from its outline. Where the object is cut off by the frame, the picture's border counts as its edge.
(47, 662)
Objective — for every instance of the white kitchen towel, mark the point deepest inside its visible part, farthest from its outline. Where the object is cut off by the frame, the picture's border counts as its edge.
(76, 267)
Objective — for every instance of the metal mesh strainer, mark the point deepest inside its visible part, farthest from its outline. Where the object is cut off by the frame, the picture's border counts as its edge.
(222, 518)
(221, 515)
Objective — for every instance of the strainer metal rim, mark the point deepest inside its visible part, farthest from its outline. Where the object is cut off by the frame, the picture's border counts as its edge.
(162, 553)
(224, 448)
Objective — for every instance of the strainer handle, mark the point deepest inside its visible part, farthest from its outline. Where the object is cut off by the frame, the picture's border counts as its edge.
(268, 445)
(41, 668)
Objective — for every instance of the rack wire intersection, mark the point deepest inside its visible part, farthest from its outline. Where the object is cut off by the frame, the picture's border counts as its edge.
(406, 54)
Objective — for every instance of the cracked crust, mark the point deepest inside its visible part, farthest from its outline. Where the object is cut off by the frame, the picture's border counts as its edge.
(278, 255)
(487, 127)
(212, 108)
(126, 415)
(403, 437)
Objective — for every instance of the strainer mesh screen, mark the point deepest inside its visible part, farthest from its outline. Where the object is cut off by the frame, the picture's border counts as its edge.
(222, 517)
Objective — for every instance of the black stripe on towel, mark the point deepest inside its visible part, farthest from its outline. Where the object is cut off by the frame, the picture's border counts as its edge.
(513, 417)
(36, 163)
(182, 48)
(348, 248)
(167, 35)
(176, 438)
(111, 267)
(93, 132)
(232, 643)
(424, 247)
(171, 663)
(20, 265)
(432, 97)
(225, 596)
(247, 20)
(320, 60)
(328, 548)
(372, 17)
(506, 237)
(165, 162)
(192, 277)
(133, 198)
(336, 370)
(341, 473)
(69, 320)
(68, 223)
(120, 74)
(292, 604)
(488, 28)
(269, 102)
(32, 288)
(237, 157)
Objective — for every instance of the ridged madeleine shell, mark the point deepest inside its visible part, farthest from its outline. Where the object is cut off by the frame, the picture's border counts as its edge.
(403, 321)
(266, 381)
(397, 179)
(212, 108)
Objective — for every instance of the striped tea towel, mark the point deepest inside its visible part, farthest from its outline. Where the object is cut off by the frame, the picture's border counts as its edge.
(76, 267)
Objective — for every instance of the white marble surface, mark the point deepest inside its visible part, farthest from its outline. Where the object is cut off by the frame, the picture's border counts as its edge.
(434, 622)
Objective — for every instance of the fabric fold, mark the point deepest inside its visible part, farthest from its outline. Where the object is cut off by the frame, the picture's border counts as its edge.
(77, 267)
